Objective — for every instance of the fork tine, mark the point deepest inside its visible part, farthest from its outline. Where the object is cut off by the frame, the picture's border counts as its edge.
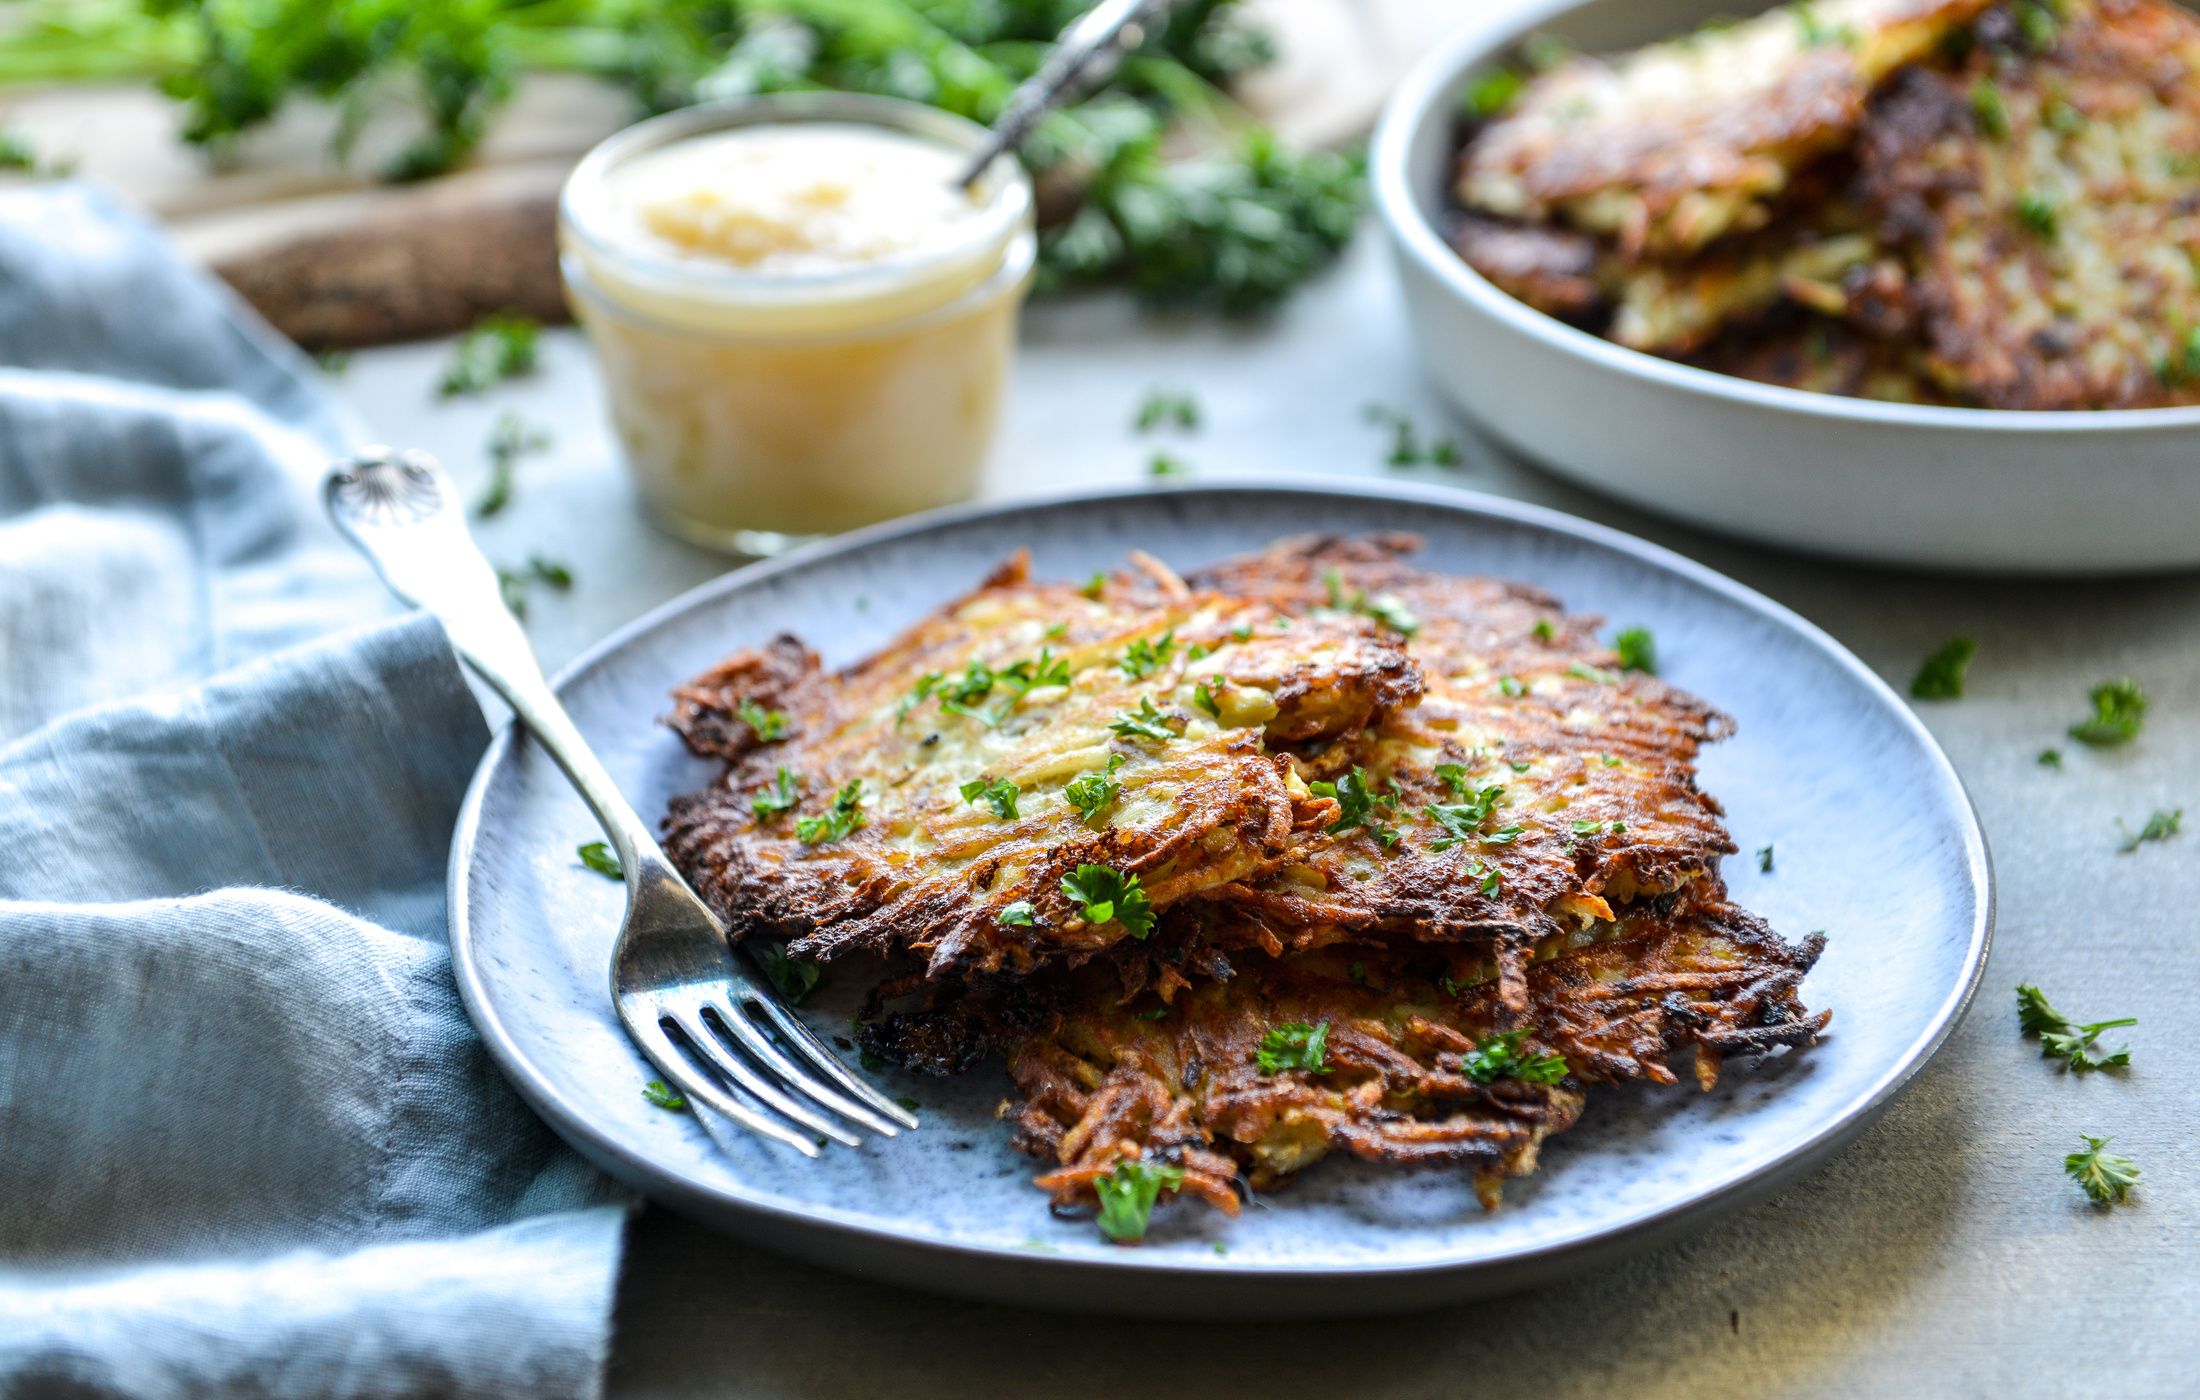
(760, 1045)
(698, 1088)
(804, 1041)
(710, 1047)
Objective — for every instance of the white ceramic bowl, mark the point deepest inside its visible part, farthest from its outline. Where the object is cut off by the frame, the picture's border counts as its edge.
(1951, 488)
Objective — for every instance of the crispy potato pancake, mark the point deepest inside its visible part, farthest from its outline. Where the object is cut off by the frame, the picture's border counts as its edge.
(1826, 357)
(2046, 195)
(929, 802)
(1101, 1078)
(1668, 148)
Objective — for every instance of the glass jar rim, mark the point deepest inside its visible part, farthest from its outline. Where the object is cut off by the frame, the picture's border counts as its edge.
(585, 202)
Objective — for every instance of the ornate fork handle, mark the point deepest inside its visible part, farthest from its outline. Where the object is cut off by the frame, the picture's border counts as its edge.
(403, 513)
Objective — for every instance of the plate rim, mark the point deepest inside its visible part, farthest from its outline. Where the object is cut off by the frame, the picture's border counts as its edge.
(1735, 1188)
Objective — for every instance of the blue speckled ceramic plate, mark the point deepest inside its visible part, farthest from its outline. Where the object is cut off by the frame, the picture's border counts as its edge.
(1828, 766)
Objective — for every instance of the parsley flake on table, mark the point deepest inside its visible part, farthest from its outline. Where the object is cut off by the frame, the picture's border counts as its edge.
(1638, 650)
(664, 1096)
(2160, 826)
(838, 821)
(2050, 758)
(514, 584)
(1146, 655)
(2119, 710)
(511, 439)
(599, 857)
(999, 794)
(1145, 722)
(784, 795)
(2064, 1039)
(1941, 675)
(1406, 447)
(2106, 1177)
(1127, 1195)
(1107, 895)
(1764, 859)
(769, 726)
(1498, 1057)
(1167, 464)
(1167, 408)
(793, 978)
(1294, 1045)
(1091, 791)
(500, 346)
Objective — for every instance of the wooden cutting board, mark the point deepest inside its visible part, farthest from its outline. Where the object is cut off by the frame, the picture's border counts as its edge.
(334, 259)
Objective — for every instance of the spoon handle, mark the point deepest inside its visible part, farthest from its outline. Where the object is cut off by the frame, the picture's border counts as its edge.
(1109, 28)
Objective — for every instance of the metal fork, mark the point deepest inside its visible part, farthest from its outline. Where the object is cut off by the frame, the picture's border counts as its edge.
(682, 996)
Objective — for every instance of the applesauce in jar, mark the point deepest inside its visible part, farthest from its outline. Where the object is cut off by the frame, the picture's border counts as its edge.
(803, 321)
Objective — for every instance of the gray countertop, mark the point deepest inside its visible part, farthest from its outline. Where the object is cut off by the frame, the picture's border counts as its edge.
(1943, 1254)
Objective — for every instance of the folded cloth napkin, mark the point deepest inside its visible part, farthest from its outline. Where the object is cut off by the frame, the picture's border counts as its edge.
(249, 1144)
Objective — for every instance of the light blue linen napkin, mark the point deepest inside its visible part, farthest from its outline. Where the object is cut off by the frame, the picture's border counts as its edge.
(249, 1144)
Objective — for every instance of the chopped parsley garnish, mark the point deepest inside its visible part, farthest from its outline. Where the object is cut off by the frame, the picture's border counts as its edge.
(499, 347)
(1583, 671)
(511, 439)
(2038, 24)
(1167, 408)
(1107, 895)
(1000, 795)
(1511, 686)
(1095, 584)
(1491, 93)
(1521, 766)
(514, 584)
(959, 695)
(1764, 859)
(1127, 1195)
(1145, 722)
(769, 726)
(1989, 110)
(2064, 1039)
(599, 857)
(1390, 611)
(784, 795)
(1203, 694)
(1454, 776)
(664, 1096)
(2037, 213)
(2106, 1177)
(2160, 826)
(1941, 677)
(1356, 805)
(1019, 915)
(1154, 1013)
(1486, 876)
(2050, 758)
(1638, 650)
(1045, 669)
(1167, 464)
(1498, 1057)
(793, 978)
(842, 818)
(1406, 447)
(1147, 655)
(1092, 791)
(1503, 836)
(1543, 631)
(2119, 709)
(1599, 828)
(1817, 32)
(1294, 1045)
(1464, 820)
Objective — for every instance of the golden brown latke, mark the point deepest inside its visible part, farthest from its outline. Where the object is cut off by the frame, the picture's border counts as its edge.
(1029, 684)
(2048, 206)
(1101, 1078)
(1667, 148)
(1824, 356)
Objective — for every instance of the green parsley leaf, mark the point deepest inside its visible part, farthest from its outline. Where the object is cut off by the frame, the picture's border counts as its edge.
(1157, 1013)
(839, 820)
(1464, 820)
(599, 857)
(2160, 826)
(1386, 609)
(1127, 1195)
(1582, 670)
(1491, 93)
(1294, 1045)
(2050, 758)
(2037, 212)
(1095, 584)
(1498, 1057)
(1147, 655)
(1454, 776)
(1167, 408)
(1941, 677)
(784, 795)
(663, 1096)
(1587, 828)
(499, 347)
(1989, 110)
(1543, 631)
(1818, 33)
(1091, 791)
(769, 726)
(1356, 803)
(1406, 449)
(1000, 795)
(1203, 695)
(1638, 650)
(510, 440)
(1107, 895)
(2106, 1177)
(2119, 709)
(1167, 464)
(1145, 722)
(793, 978)
(2064, 1039)
(1511, 686)
(1019, 915)
(1764, 859)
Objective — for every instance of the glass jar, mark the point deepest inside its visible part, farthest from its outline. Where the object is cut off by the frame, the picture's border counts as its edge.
(759, 406)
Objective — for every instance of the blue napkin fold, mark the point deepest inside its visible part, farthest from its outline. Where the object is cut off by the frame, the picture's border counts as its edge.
(249, 1144)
